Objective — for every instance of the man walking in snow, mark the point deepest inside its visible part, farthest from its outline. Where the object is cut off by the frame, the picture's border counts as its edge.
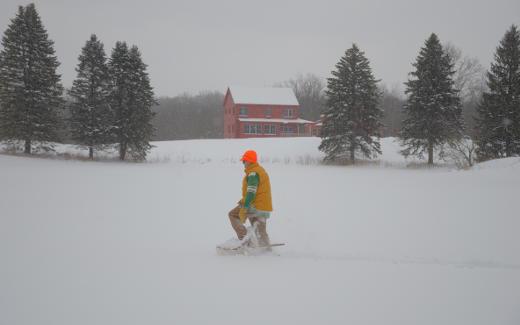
(255, 204)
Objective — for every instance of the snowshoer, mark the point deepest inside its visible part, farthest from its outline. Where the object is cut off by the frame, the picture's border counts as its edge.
(255, 204)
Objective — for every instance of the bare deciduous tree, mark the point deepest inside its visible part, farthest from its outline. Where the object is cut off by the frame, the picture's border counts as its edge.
(188, 116)
(308, 89)
(392, 101)
(460, 152)
(469, 77)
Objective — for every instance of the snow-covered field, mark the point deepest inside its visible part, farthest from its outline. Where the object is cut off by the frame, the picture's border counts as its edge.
(123, 243)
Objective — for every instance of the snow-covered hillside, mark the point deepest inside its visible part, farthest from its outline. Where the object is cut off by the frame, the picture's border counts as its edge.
(117, 243)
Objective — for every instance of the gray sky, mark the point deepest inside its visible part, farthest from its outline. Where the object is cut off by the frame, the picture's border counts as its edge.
(197, 45)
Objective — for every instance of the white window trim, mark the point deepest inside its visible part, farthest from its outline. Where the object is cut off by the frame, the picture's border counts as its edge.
(248, 128)
(271, 129)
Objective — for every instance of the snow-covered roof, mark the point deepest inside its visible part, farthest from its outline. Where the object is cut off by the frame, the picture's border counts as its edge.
(275, 120)
(263, 96)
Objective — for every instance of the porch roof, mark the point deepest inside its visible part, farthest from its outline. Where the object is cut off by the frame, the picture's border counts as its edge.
(275, 120)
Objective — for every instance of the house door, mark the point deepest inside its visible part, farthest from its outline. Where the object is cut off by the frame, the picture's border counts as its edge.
(301, 129)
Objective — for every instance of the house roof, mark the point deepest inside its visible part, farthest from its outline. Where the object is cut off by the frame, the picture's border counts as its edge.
(263, 96)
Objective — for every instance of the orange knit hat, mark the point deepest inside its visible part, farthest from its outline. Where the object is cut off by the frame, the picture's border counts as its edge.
(249, 156)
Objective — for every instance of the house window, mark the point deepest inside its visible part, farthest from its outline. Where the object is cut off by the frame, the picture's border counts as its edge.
(269, 129)
(268, 112)
(287, 129)
(243, 111)
(288, 112)
(252, 129)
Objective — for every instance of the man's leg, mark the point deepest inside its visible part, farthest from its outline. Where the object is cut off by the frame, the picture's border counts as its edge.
(236, 224)
(261, 230)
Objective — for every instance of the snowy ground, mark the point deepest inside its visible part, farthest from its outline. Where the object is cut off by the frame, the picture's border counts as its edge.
(123, 243)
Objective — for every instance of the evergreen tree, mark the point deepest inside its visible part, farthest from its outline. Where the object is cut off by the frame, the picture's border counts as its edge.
(119, 71)
(90, 110)
(30, 89)
(351, 121)
(132, 99)
(498, 121)
(432, 110)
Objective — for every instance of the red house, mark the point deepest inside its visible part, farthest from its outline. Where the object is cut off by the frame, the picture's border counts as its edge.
(263, 112)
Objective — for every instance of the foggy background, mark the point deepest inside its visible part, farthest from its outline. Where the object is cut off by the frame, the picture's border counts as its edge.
(206, 45)
(194, 49)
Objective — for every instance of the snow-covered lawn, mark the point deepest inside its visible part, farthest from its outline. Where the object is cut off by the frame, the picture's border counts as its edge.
(123, 243)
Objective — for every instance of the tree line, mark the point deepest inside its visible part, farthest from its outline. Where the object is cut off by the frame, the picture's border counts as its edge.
(189, 116)
(449, 103)
(108, 106)
(447, 107)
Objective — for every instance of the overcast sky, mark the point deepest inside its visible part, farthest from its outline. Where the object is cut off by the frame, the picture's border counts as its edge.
(192, 46)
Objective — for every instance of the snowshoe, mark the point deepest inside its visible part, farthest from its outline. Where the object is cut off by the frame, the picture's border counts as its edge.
(249, 245)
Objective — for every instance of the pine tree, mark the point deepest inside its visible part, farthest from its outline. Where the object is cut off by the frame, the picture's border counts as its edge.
(351, 121)
(132, 99)
(119, 71)
(30, 89)
(498, 121)
(142, 102)
(91, 118)
(433, 110)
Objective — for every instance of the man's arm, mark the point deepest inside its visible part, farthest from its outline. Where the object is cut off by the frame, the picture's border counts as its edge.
(252, 185)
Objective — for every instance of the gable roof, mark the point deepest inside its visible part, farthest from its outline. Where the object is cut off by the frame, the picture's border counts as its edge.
(263, 96)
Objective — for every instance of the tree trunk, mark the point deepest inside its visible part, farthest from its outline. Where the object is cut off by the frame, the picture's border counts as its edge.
(91, 153)
(508, 146)
(430, 153)
(122, 151)
(353, 154)
(27, 147)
